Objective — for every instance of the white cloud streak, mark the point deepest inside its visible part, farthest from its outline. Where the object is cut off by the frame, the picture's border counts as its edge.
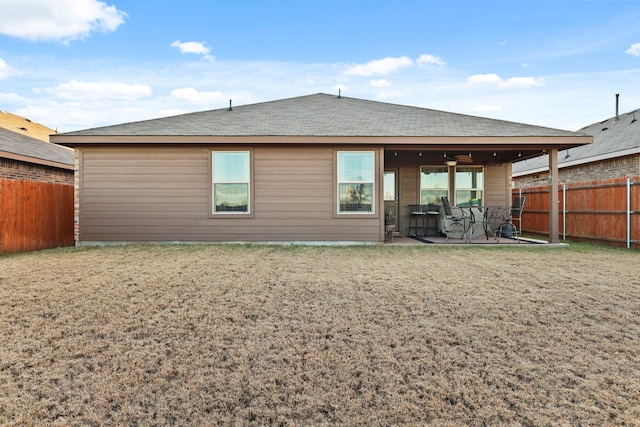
(496, 81)
(78, 90)
(379, 66)
(198, 48)
(484, 79)
(634, 50)
(62, 20)
(7, 71)
(380, 83)
(191, 95)
(425, 59)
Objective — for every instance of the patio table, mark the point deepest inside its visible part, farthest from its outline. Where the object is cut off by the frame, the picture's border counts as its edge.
(488, 220)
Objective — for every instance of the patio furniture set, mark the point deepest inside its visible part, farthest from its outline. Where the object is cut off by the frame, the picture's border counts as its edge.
(467, 222)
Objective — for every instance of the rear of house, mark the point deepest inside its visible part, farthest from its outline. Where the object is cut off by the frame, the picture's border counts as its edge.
(317, 168)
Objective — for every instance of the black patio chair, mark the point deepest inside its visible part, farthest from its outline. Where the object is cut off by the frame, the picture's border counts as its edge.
(453, 223)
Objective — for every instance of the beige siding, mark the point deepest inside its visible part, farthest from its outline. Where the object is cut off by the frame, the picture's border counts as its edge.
(408, 195)
(163, 194)
(497, 185)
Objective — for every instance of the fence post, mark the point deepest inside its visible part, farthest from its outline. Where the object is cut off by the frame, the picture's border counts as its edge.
(628, 213)
(564, 211)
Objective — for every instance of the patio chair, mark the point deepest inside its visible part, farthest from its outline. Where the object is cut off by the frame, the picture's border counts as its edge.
(508, 228)
(453, 223)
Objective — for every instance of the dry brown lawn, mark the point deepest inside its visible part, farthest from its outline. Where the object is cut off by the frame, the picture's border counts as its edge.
(298, 336)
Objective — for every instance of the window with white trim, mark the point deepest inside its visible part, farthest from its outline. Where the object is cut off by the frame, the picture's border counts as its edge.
(469, 185)
(356, 179)
(231, 179)
(434, 184)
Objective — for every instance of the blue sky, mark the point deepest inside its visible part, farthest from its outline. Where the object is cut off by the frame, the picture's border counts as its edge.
(76, 64)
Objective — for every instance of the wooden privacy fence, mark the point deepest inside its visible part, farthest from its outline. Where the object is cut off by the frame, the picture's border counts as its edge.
(605, 211)
(35, 215)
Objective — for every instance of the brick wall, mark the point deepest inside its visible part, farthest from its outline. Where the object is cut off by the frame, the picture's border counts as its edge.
(15, 169)
(615, 168)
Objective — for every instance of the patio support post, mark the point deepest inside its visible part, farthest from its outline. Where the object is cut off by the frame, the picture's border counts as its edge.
(553, 196)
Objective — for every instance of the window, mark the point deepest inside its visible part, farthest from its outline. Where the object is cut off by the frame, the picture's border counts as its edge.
(356, 181)
(230, 181)
(389, 186)
(434, 184)
(469, 185)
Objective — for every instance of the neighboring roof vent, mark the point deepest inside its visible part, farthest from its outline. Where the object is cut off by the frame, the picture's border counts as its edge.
(339, 93)
(617, 102)
(230, 107)
(634, 117)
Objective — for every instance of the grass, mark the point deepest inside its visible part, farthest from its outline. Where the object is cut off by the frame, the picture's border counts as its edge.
(264, 335)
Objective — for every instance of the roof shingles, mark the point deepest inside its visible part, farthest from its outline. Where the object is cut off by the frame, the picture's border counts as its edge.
(610, 138)
(15, 143)
(323, 115)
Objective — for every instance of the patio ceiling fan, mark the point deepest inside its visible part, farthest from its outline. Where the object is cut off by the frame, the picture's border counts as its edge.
(460, 158)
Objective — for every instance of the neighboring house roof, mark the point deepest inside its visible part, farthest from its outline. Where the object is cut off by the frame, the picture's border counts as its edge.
(24, 126)
(323, 115)
(613, 137)
(24, 148)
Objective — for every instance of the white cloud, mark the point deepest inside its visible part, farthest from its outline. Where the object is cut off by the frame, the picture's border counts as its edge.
(634, 50)
(12, 98)
(379, 66)
(521, 82)
(496, 80)
(63, 20)
(76, 90)
(484, 79)
(190, 94)
(6, 70)
(198, 48)
(430, 60)
(380, 83)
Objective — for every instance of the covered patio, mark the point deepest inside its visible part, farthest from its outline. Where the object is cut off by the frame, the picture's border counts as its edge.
(469, 171)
